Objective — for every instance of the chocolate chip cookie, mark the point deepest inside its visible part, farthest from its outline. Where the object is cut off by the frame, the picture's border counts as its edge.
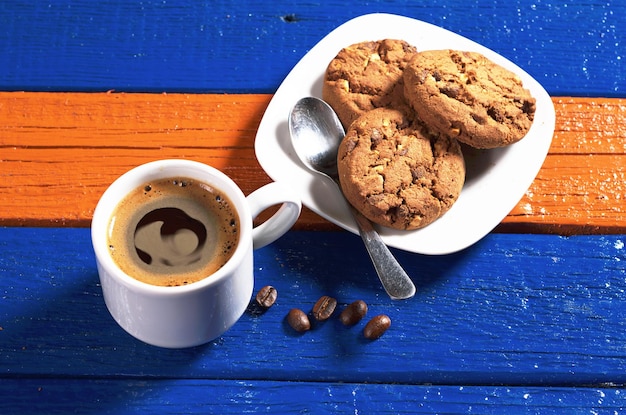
(467, 96)
(365, 76)
(396, 173)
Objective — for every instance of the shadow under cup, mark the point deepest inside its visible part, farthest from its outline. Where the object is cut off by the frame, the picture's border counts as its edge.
(185, 315)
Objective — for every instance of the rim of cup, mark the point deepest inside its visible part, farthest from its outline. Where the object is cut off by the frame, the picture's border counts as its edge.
(158, 169)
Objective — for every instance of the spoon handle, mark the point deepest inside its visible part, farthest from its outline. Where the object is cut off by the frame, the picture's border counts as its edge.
(394, 279)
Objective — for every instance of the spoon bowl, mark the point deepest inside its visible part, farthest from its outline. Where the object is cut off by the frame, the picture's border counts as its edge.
(316, 133)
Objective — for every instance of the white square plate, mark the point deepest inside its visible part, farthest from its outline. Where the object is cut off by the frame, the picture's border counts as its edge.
(496, 179)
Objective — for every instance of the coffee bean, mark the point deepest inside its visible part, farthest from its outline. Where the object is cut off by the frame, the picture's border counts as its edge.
(376, 327)
(266, 297)
(298, 320)
(324, 308)
(353, 313)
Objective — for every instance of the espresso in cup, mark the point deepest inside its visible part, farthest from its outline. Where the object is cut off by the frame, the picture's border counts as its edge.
(173, 231)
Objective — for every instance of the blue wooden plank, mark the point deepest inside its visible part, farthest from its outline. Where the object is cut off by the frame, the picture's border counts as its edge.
(149, 396)
(512, 309)
(572, 48)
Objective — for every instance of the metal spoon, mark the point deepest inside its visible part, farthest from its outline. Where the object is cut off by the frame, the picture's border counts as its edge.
(316, 133)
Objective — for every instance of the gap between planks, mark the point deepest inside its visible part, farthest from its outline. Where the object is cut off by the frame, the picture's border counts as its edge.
(59, 151)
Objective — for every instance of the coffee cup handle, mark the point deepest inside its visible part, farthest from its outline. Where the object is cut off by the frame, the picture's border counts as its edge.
(280, 222)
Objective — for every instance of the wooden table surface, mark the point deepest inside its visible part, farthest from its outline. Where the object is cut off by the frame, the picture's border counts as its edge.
(531, 319)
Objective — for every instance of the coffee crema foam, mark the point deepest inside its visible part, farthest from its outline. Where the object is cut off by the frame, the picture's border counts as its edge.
(173, 232)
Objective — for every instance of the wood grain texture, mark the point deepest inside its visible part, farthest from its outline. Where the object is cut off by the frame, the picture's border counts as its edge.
(573, 48)
(199, 396)
(516, 310)
(59, 151)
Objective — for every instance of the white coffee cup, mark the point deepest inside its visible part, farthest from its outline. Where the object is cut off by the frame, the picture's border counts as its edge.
(193, 314)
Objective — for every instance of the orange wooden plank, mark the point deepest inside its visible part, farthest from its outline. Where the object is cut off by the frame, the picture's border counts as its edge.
(589, 126)
(59, 151)
(574, 194)
(581, 187)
